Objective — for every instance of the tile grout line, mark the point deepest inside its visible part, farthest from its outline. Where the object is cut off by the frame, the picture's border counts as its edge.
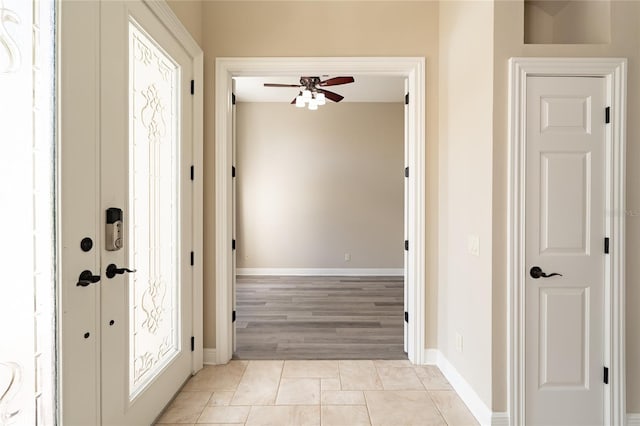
(275, 400)
(365, 395)
(436, 405)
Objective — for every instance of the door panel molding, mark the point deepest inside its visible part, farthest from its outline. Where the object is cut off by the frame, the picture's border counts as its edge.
(614, 71)
(413, 68)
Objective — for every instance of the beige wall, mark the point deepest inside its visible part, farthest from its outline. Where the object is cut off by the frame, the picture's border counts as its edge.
(381, 28)
(569, 22)
(190, 14)
(465, 147)
(625, 42)
(583, 22)
(314, 185)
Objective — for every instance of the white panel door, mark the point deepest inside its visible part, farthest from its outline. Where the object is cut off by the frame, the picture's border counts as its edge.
(565, 223)
(145, 171)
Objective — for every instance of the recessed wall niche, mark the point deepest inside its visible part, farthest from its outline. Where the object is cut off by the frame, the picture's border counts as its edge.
(567, 21)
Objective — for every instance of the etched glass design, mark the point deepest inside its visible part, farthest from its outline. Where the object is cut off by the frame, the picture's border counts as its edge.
(154, 290)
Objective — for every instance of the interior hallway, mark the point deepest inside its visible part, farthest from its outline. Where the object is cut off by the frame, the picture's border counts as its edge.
(328, 392)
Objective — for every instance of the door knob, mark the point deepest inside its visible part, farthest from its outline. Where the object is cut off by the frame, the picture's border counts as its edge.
(113, 270)
(86, 277)
(536, 272)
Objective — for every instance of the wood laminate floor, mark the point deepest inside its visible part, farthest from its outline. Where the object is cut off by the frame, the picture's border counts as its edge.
(319, 318)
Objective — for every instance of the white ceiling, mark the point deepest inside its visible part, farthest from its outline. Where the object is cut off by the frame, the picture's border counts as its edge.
(366, 88)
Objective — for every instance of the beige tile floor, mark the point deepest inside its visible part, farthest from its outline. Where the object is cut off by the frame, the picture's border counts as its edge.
(297, 393)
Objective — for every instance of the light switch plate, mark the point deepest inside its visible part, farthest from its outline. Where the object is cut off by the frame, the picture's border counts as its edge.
(473, 245)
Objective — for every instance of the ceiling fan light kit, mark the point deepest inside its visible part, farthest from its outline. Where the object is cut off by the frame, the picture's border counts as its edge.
(309, 98)
(313, 96)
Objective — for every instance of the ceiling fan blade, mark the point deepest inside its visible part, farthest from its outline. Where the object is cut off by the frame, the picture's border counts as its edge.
(331, 95)
(293, 102)
(280, 85)
(336, 81)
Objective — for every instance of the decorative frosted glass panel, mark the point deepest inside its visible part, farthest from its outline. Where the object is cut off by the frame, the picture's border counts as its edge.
(154, 290)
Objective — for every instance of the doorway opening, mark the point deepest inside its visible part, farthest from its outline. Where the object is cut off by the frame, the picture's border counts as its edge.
(410, 68)
(319, 221)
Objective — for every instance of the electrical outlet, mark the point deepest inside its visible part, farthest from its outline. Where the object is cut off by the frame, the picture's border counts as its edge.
(473, 245)
(347, 257)
(459, 342)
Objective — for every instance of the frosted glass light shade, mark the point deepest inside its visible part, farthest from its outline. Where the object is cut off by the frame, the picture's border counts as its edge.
(320, 98)
(299, 102)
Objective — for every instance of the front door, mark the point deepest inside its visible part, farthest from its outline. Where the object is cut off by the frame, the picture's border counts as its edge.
(126, 212)
(145, 167)
(565, 232)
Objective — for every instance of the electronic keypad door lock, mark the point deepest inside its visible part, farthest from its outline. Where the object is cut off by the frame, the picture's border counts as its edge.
(113, 230)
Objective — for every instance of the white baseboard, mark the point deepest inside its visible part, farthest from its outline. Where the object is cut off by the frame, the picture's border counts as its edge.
(431, 356)
(633, 419)
(342, 272)
(478, 408)
(500, 419)
(209, 356)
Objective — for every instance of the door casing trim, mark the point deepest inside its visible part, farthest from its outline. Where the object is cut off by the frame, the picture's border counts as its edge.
(413, 68)
(614, 70)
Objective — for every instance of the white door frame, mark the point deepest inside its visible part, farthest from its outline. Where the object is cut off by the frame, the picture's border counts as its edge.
(414, 70)
(614, 71)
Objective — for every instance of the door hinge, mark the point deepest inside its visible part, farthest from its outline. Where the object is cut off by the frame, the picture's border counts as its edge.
(406, 99)
(233, 316)
(606, 245)
(233, 99)
(406, 245)
(193, 256)
(606, 375)
(233, 171)
(233, 244)
(607, 115)
(406, 317)
(193, 173)
(406, 172)
(193, 343)
(193, 87)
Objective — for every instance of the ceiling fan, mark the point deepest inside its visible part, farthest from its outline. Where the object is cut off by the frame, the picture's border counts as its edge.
(312, 92)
